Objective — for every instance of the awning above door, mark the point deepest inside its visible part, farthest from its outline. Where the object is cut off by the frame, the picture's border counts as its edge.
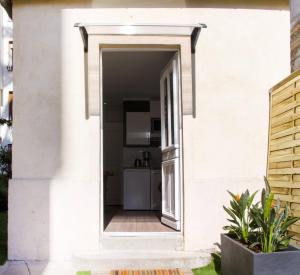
(192, 30)
(177, 37)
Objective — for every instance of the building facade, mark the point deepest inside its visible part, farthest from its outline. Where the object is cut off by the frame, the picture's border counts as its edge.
(56, 195)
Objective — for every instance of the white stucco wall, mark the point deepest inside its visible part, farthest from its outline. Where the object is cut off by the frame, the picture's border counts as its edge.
(54, 195)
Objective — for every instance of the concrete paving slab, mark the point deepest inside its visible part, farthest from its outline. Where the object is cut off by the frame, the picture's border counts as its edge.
(36, 268)
(14, 268)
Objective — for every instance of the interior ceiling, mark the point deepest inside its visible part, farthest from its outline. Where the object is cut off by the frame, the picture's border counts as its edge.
(129, 74)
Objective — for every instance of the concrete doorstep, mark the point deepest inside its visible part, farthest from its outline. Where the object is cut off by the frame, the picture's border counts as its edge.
(108, 260)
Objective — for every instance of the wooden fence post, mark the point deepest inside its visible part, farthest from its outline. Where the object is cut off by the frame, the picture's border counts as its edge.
(295, 34)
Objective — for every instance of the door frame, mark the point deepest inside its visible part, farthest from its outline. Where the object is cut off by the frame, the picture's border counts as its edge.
(126, 48)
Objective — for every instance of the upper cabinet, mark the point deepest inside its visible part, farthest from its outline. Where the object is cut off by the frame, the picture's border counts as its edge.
(141, 118)
(137, 122)
(138, 126)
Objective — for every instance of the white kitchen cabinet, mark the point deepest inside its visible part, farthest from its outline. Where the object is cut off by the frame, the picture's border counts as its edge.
(137, 189)
(138, 126)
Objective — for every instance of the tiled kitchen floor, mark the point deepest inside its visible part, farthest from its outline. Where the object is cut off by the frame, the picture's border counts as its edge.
(119, 220)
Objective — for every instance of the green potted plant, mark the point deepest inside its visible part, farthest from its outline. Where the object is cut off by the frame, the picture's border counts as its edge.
(258, 240)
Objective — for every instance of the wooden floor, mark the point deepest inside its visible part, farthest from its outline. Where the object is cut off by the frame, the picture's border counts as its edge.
(119, 220)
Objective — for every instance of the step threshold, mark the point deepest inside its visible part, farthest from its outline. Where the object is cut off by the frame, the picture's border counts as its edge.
(141, 259)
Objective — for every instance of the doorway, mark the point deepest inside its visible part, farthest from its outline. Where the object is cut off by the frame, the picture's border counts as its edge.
(141, 140)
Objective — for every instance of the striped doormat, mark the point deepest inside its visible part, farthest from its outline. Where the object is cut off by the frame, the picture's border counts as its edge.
(146, 272)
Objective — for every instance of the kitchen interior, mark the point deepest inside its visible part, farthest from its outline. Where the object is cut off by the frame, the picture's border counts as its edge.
(132, 139)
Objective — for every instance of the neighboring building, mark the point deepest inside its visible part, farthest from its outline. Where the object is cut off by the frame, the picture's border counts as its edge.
(88, 100)
(6, 81)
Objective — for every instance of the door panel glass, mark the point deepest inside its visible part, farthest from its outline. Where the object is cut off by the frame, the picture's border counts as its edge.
(166, 195)
(169, 183)
(171, 107)
(172, 189)
(166, 102)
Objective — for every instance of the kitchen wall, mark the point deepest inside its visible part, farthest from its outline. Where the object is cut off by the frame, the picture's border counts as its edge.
(113, 153)
(112, 113)
(132, 153)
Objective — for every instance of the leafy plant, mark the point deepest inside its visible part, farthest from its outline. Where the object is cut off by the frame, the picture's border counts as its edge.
(216, 259)
(272, 223)
(263, 225)
(4, 121)
(240, 218)
(5, 161)
(3, 193)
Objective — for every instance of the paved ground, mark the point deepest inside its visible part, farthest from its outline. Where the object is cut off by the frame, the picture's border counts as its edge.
(36, 268)
(42, 268)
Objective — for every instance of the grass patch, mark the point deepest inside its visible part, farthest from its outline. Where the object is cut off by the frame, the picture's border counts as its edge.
(3, 237)
(214, 268)
(206, 270)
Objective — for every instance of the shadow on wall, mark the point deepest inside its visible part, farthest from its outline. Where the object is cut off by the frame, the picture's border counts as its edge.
(222, 4)
(47, 178)
(37, 134)
(236, 4)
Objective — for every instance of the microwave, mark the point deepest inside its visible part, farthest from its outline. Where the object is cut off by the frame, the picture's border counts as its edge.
(155, 126)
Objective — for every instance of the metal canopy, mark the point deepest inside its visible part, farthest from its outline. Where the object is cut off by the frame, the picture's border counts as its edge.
(192, 30)
(7, 5)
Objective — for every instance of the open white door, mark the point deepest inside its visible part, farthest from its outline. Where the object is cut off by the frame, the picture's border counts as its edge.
(170, 143)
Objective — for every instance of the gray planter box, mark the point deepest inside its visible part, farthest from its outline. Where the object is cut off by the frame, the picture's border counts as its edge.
(239, 260)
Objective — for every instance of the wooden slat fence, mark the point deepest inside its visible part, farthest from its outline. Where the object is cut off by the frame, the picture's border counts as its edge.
(283, 171)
